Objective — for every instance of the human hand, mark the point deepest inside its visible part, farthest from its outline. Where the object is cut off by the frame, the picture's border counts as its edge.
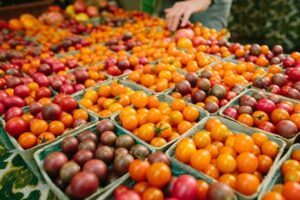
(183, 10)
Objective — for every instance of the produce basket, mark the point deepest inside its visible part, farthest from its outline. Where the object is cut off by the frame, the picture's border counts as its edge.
(132, 86)
(168, 99)
(235, 101)
(176, 170)
(27, 154)
(40, 155)
(276, 176)
(235, 127)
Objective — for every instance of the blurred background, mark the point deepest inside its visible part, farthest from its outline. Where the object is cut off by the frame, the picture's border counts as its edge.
(251, 21)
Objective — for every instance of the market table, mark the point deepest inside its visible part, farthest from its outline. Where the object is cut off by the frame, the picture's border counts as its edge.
(17, 181)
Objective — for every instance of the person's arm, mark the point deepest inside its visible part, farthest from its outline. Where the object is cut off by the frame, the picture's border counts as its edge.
(183, 10)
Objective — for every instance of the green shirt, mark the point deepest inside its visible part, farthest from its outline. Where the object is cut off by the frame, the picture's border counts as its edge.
(215, 17)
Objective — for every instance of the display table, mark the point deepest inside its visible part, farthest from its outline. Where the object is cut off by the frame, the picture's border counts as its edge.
(17, 181)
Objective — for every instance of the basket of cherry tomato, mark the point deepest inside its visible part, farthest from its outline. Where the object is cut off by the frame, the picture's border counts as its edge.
(109, 97)
(158, 120)
(89, 161)
(266, 111)
(284, 182)
(228, 152)
(161, 178)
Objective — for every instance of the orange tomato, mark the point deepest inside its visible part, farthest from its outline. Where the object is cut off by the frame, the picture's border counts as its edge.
(159, 174)
(80, 114)
(153, 193)
(46, 137)
(56, 127)
(200, 159)
(130, 122)
(246, 184)
(226, 163)
(184, 150)
(243, 143)
(38, 126)
(27, 140)
(228, 179)
(272, 196)
(202, 139)
(270, 149)
(138, 170)
(259, 138)
(247, 163)
(190, 113)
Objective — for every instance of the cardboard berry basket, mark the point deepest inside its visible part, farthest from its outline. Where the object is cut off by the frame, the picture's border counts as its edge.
(27, 154)
(163, 98)
(235, 128)
(132, 86)
(176, 170)
(276, 175)
(40, 155)
(250, 91)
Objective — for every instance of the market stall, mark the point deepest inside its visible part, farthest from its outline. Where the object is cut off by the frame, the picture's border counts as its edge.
(97, 102)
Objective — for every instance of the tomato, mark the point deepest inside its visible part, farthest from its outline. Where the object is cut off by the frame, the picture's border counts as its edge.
(66, 119)
(45, 137)
(246, 119)
(56, 127)
(272, 196)
(91, 95)
(292, 175)
(184, 126)
(228, 179)
(200, 159)
(264, 163)
(178, 104)
(190, 113)
(27, 140)
(80, 114)
(211, 123)
(243, 143)
(184, 150)
(158, 142)
(154, 115)
(139, 99)
(104, 91)
(270, 149)
(38, 126)
(16, 126)
(279, 114)
(213, 150)
(159, 174)
(203, 189)
(140, 187)
(146, 132)
(153, 102)
(290, 165)
(153, 193)
(226, 163)
(246, 184)
(296, 155)
(247, 163)
(163, 129)
(202, 139)
(259, 138)
(259, 117)
(176, 117)
(138, 170)
(212, 171)
(68, 104)
(296, 119)
(219, 132)
(130, 122)
(291, 191)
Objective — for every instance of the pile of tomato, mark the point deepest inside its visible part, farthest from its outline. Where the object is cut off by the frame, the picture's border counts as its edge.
(237, 159)
(289, 187)
(63, 70)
